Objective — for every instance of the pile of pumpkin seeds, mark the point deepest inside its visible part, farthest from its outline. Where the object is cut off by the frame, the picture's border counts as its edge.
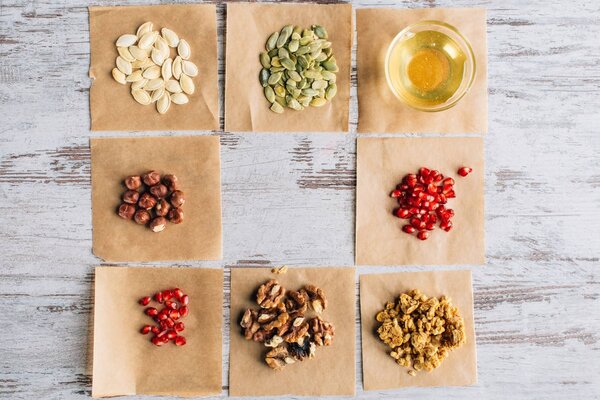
(145, 61)
(298, 68)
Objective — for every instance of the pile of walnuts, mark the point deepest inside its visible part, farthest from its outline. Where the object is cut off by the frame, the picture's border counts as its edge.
(281, 324)
(151, 200)
(421, 330)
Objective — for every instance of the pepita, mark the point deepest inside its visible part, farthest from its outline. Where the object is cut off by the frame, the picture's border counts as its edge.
(270, 94)
(277, 108)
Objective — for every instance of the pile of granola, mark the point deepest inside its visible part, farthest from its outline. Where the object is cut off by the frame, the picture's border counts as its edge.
(281, 323)
(421, 330)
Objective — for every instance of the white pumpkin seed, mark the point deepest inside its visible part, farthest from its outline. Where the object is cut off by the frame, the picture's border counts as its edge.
(144, 28)
(147, 63)
(183, 49)
(119, 76)
(124, 66)
(161, 44)
(141, 96)
(157, 56)
(147, 40)
(154, 84)
(151, 72)
(166, 70)
(171, 37)
(124, 52)
(173, 86)
(163, 103)
(157, 94)
(179, 98)
(189, 68)
(187, 85)
(138, 53)
(176, 68)
(126, 40)
(135, 76)
(139, 84)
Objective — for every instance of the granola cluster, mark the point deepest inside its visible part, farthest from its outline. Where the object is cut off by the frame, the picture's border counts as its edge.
(421, 330)
(281, 323)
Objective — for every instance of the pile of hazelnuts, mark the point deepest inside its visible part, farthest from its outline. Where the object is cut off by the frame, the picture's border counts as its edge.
(152, 201)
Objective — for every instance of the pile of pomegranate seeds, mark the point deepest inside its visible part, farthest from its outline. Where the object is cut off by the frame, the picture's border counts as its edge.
(175, 306)
(422, 198)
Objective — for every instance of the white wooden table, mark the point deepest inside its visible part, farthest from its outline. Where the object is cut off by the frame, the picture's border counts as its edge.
(290, 199)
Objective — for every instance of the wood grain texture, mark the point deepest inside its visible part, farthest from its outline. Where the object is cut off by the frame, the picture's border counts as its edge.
(290, 199)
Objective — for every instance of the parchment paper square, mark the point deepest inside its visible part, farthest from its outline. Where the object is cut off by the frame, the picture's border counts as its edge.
(195, 160)
(380, 371)
(111, 104)
(381, 165)
(249, 25)
(331, 372)
(126, 363)
(379, 110)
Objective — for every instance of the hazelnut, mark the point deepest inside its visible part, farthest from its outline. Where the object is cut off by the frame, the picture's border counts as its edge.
(158, 224)
(141, 217)
(159, 191)
(147, 201)
(162, 208)
(177, 198)
(126, 211)
(131, 196)
(171, 181)
(133, 182)
(176, 215)
(151, 178)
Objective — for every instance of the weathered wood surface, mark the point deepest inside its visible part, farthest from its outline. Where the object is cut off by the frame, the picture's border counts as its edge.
(290, 199)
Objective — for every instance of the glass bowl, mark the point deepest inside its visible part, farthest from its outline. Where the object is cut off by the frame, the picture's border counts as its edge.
(469, 66)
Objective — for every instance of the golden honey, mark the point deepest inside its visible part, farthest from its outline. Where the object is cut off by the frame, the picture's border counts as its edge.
(426, 68)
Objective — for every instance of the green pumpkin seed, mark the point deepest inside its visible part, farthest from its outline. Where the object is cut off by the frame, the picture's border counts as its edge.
(277, 108)
(312, 74)
(275, 62)
(309, 92)
(263, 77)
(284, 35)
(279, 91)
(295, 76)
(320, 57)
(297, 31)
(314, 46)
(281, 101)
(272, 41)
(302, 50)
(293, 104)
(331, 91)
(283, 53)
(288, 64)
(318, 102)
(276, 77)
(319, 84)
(294, 45)
(330, 65)
(273, 53)
(319, 31)
(269, 94)
(328, 76)
(265, 60)
(326, 45)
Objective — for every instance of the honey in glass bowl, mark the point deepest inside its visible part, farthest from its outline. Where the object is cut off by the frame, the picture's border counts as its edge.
(430, 69)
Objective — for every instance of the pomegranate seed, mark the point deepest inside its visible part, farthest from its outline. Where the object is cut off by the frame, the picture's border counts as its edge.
(179, 327)
(464, 171)
(159, 297)
(171, 305)
(180, 341)
(446, 188)
(145, 301)
(450, 212)
(439, 178)
(448, 181)
(162, 333)
(446, 225)
(411, 180)
(157, 341)
(151, 311)
(169, 322)
(162, 316)
(185, 299)
(415, 222)
(408, 229)
(167, 294)
(146, 329)
(430, 226)
(155, 330)
(424, 171)
(183, 311)
(174, 315)
(423, 235)
(171, 335)
(450, 194)
(178, 293)
(163, 324)
(402, 213)
(396, 193)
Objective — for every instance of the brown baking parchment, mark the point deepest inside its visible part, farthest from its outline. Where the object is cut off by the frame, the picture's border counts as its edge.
(126, 363)
(379, 110)
(111, 104)
(380, 371)
(381, 165)
(332, 370)
(248, 28)
(195, 160)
